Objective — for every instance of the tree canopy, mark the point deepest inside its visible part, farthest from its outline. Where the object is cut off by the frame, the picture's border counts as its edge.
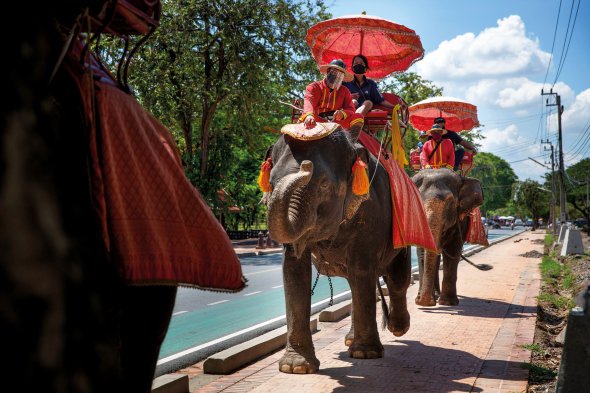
(496, 177)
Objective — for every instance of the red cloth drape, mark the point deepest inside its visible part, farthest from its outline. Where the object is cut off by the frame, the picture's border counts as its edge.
(476, 233)
(155, 224)
(410, 225)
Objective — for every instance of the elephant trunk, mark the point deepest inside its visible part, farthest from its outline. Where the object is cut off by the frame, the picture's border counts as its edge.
(288, 210)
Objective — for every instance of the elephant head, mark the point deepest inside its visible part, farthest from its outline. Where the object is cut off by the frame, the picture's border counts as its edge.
(312, 187)
(447, 199)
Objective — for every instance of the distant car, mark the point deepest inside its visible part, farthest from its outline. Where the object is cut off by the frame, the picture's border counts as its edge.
(518, 222)
(494, 224)
(580, 222)
(528, 223)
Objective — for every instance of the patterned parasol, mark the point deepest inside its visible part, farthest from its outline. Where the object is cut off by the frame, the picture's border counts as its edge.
(389, 47)
(458, 114)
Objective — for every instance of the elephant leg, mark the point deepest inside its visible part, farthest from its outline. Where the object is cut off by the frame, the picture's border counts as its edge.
(398, 280)
(366, 343)
(448, 295)
(436, 293)
(299, 356)
(144, 321)
(426, 294)
(349, 338)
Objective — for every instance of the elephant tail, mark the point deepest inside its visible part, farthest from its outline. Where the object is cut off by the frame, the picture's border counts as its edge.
(385, 317)
(481, 266)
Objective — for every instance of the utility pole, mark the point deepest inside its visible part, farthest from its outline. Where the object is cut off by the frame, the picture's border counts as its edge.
(562, 196)
(553, 201)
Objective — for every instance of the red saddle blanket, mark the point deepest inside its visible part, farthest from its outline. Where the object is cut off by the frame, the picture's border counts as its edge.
(155, 225)
(476, 233)
(410, 226)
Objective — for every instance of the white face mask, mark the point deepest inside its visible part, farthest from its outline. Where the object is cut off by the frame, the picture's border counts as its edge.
(334, 82)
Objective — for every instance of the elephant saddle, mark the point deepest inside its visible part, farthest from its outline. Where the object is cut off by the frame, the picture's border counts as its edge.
(154, 223)
(476, 233)
(410, 225)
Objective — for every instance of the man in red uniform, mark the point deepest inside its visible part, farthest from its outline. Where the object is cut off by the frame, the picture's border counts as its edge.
(327, 99)
(437, 152)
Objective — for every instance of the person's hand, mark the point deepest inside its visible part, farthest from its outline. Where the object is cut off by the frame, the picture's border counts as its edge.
(338, 115)
(309, 122)
(355, 95)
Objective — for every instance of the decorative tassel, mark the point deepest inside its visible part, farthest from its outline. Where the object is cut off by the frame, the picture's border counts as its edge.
(264, 175)
(360, 179)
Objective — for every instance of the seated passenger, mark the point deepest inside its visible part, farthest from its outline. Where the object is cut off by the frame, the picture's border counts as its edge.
(328, 100)
(457, 140)
(364, 91)
(437, 152)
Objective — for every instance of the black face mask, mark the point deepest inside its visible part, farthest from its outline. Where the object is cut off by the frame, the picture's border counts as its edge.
(331, 78)
(359, 68)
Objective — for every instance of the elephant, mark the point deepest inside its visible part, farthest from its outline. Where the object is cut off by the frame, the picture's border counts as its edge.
(314, 213)
(448, 198)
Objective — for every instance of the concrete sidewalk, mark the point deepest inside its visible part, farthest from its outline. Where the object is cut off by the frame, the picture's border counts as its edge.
(473, 347)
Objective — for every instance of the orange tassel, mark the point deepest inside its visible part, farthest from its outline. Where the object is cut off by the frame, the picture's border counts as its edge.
(264, 175)
(360, 179)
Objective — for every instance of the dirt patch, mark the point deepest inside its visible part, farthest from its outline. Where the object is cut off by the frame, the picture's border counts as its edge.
(551, 319)
(538, 241)
(531, 254)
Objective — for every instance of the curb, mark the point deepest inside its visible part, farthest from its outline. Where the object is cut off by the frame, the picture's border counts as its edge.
(231, 359)
(336, 312)
(171, 383)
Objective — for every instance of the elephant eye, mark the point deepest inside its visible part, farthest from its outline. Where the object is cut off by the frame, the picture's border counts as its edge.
(324, 184)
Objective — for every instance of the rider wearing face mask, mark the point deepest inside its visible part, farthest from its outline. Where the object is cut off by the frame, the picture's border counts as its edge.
(437, 152)
(328, 100)
(364, 91)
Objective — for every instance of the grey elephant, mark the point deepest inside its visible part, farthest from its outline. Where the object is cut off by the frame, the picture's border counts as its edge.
(312, 210)
(448, 198)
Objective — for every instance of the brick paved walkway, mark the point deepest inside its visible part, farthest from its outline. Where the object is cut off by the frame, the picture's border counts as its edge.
(476, 346)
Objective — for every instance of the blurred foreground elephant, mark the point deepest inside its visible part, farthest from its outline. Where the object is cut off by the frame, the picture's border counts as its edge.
(448, 198)
(69, 318)
(312, 210)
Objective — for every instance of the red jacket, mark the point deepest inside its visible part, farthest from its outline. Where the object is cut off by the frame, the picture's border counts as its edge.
(444, 156)
(320, 98)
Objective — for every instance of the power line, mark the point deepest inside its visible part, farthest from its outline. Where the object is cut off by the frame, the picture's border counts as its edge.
(571, 33)
(553, 44)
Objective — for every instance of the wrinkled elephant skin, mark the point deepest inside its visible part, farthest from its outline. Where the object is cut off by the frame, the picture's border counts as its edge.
(313, 212)
(447, 198)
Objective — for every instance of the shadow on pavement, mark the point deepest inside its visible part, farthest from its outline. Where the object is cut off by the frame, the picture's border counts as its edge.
(486, 308)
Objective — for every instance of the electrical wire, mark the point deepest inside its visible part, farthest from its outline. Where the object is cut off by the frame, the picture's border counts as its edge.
(571, 33)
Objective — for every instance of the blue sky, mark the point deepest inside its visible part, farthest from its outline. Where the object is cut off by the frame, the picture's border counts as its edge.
(496, 55)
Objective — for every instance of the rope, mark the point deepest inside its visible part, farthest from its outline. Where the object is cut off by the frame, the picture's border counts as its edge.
(378, 156)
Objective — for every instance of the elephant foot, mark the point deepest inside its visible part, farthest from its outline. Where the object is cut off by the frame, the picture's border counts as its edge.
(349, 338)
(399, 324)
(294, 363)
(448, 300)
(426, 301)
(365, 351)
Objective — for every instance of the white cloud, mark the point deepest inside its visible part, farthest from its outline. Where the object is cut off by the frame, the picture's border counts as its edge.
(501, 51)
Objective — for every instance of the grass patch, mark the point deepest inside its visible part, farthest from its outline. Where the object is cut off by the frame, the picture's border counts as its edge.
(538, 374)
(550, 269)
(560, 302)
(534, 348)
(549, 240)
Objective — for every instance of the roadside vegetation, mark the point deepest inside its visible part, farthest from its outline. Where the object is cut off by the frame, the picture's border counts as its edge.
(562, 279)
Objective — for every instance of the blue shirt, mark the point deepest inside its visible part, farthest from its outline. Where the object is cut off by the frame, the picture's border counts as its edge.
(368, 91)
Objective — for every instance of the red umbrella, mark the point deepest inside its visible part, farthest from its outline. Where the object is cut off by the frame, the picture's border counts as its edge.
(458, 114)
(389, 47)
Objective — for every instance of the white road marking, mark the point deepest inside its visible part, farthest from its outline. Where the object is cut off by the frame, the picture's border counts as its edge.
(219, 302)
(264, 271)
(278, 286)
(179, 312)
(236, 334)
(252, 293)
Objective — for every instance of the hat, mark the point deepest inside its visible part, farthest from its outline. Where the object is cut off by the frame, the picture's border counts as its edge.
(436, 127)
(439, 119)
(422, 135)
(340, 66)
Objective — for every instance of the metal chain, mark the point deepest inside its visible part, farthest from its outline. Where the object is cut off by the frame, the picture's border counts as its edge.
(331, 292)
(316, 282)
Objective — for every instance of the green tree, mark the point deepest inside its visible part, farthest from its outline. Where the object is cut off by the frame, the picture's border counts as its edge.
(529, 196)
(577, 188)
(496, 177)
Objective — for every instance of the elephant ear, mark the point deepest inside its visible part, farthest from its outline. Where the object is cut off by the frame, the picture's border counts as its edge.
(470, 195)
(353, 201)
